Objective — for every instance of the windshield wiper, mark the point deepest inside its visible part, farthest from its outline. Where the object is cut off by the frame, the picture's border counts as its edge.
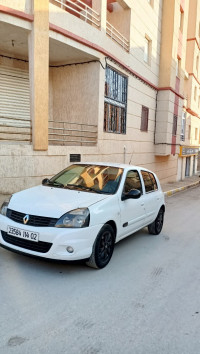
(84, 187)
(55, 184)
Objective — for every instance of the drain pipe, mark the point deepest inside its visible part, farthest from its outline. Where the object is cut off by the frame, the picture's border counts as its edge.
(155, 118)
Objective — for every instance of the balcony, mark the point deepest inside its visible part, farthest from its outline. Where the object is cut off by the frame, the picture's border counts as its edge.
(117, 37)
(79, 9)
(117, 17)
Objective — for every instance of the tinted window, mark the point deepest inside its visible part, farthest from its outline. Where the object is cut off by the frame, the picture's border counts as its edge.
(149, 181)
(132, 181)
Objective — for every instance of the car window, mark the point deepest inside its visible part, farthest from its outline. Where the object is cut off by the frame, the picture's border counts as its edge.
(149, 181)
(154, 181)
(132, 182)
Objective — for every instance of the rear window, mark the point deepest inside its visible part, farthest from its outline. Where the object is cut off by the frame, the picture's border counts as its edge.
(149, 181)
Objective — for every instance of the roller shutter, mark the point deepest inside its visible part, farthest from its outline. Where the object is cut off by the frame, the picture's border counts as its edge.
(14, 104)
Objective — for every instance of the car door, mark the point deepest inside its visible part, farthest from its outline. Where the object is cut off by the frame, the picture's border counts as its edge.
(152, 196)
(132, 210)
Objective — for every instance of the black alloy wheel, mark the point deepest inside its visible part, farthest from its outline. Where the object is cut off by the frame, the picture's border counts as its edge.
(156, 226)
(103, 248)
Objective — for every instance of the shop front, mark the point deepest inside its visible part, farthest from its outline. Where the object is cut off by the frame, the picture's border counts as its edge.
(187, 161)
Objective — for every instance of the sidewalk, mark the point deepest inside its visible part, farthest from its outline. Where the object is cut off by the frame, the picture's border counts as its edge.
(174, 187)
(169, 188)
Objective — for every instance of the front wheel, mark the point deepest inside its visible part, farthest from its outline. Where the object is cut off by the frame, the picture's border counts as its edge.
(103, 248)
(156, 226)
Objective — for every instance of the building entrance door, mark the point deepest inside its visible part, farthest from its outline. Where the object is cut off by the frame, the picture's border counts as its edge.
(194, 163)
(187, 167)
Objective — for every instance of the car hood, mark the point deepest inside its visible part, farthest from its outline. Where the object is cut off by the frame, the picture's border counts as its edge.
(52, 202)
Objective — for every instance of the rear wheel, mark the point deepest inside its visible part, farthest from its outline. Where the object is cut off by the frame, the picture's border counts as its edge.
(156, 226)
(103, 248)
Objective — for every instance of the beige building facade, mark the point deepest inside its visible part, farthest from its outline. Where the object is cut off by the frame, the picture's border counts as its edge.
(98, 80)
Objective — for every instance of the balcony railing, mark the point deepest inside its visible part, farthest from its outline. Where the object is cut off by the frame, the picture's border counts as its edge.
(80, 9)
(85, 12)
(67, 133)
(116, 36)
(15, 130)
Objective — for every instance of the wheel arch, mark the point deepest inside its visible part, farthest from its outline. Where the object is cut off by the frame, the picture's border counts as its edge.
(163, 207)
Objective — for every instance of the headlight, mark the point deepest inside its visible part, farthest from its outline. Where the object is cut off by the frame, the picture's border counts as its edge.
(75, 218)
(4, 206)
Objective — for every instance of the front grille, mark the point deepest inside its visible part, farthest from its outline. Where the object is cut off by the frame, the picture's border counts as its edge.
(34, 220)
(42, 247)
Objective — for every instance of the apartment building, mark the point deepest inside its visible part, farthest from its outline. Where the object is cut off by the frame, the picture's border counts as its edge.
(98, 80)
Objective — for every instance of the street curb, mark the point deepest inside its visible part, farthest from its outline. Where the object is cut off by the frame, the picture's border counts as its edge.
(180, 189)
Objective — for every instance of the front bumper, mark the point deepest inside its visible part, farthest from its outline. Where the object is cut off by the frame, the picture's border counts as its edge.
(81, 240)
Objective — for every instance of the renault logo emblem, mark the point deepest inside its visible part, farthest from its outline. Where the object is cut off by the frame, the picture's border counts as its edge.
(26, 219)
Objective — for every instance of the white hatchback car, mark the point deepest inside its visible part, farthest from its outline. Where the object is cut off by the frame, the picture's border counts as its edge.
(82, 212)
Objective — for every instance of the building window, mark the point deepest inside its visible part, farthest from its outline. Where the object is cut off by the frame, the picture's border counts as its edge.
(178, 68)
(115, 102)
(151, 2)
(144, 119)
(181, 21)
(183, 126)
(189, 131)
(196, 133)
(174, 129)
(147, 50)
(195, 93)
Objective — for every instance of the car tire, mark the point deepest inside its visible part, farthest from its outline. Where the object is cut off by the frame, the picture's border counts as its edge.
(103, 248)
(156, 226)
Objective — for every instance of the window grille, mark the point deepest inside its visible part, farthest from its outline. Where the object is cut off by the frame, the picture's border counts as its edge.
(115, 102)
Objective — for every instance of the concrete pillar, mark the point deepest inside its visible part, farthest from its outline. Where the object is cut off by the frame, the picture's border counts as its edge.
(39, 74)
(101, 7)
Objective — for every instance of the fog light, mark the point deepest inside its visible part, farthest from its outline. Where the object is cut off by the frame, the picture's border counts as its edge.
(70, 249)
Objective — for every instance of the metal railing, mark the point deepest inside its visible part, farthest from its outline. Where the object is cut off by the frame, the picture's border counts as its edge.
(116, 36)
(15, 130)
(80, 9)
(68, 133)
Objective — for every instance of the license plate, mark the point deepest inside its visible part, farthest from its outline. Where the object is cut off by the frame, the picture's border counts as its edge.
(27, 235)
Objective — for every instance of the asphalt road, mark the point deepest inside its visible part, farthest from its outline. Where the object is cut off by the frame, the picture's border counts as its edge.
(146, 301)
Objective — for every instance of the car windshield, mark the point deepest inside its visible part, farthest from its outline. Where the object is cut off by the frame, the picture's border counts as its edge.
(89, 178)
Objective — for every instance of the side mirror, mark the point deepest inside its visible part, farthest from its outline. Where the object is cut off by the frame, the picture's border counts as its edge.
(45, 181)
(132, 194)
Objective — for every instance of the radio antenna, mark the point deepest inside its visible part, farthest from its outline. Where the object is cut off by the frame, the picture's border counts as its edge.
(131, 156)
